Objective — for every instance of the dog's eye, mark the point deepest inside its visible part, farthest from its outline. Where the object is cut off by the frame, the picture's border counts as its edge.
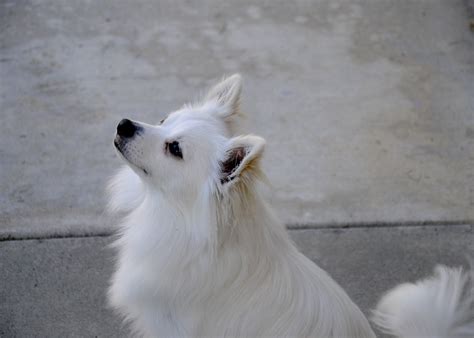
(174, 149)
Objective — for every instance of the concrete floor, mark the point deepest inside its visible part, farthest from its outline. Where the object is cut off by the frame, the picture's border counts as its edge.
(367, 107)
(56, 287)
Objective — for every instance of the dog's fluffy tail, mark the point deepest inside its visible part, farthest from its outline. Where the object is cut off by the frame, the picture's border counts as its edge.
(439, 306)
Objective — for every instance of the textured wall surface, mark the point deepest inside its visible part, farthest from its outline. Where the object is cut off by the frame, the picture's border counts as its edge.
(367, 106)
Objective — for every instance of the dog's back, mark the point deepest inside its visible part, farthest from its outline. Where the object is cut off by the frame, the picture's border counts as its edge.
(264, 287)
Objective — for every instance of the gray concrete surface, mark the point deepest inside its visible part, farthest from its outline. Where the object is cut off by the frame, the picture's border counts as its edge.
(367, 106)
(55, 288)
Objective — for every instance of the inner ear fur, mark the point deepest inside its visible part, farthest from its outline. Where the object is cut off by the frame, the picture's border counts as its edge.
(242, 156)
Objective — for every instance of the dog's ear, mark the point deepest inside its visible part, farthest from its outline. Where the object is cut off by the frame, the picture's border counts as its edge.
(242, 158)
(227, 96)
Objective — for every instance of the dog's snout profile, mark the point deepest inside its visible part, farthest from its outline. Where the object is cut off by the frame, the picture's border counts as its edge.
(126, 128)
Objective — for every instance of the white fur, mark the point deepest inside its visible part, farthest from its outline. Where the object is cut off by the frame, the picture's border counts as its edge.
(200, 253)
(440, 306)
(127, 190)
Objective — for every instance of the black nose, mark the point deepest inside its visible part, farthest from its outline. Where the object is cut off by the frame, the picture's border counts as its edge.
(126, 128)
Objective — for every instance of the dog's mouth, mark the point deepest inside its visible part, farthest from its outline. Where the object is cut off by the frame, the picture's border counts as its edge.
(120, 145)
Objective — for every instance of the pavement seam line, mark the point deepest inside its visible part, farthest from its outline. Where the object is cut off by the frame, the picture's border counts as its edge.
(291, 227)
(382, 224)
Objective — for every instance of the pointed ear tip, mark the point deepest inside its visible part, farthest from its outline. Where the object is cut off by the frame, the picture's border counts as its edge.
(260, 141)
(231, 86)
(235, 78)
(254, 140)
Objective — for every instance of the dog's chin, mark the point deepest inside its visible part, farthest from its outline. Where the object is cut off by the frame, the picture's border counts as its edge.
(120, 147)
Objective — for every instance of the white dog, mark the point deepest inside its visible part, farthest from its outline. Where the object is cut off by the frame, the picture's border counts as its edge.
(200, 253)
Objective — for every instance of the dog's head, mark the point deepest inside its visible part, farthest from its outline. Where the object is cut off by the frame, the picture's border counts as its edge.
(192, 148)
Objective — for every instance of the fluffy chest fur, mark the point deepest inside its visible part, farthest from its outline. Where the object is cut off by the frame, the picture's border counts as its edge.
(251, 281)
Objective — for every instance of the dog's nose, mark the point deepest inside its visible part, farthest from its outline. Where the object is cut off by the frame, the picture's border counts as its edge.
(126, 128)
